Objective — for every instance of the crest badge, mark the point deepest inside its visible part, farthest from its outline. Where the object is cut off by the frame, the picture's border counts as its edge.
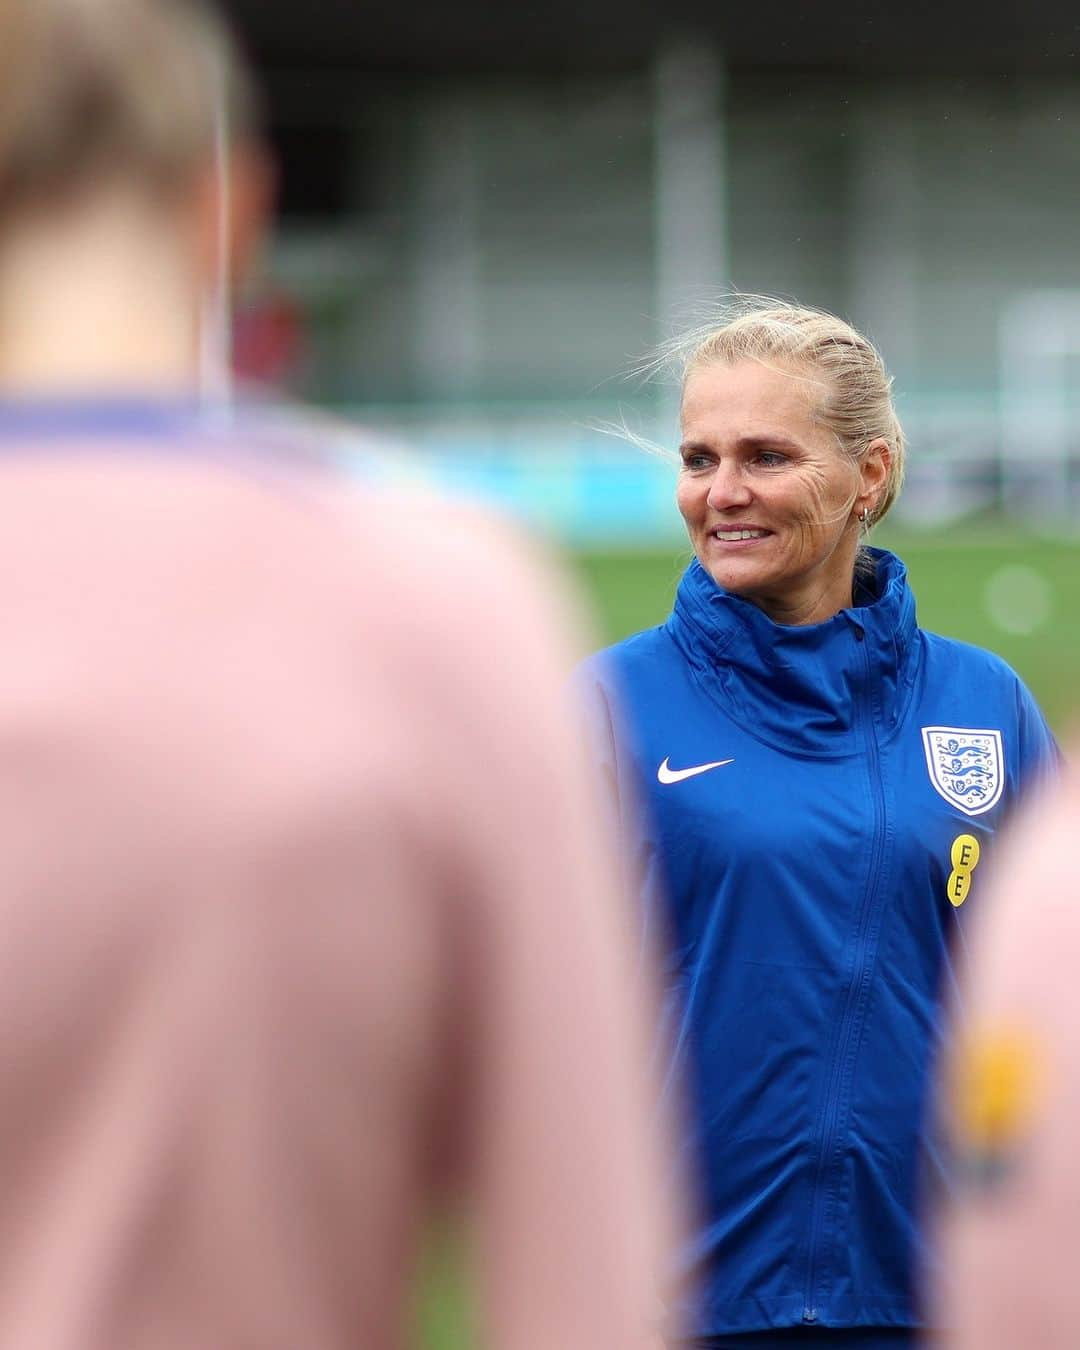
(967, 767)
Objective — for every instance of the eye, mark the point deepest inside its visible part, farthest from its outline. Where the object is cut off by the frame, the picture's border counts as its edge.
(771, 459)
(696, 460)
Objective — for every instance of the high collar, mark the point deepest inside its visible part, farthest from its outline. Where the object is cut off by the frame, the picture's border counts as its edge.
(805, 688)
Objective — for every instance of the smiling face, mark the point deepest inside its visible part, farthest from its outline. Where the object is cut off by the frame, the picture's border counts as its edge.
(770, 499)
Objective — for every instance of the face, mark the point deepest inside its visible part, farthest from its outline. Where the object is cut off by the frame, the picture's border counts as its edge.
(770, 500)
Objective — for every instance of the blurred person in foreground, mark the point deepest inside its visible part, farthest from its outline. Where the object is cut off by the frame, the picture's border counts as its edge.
(1006, 1278)
(822, 781)
(305, 926)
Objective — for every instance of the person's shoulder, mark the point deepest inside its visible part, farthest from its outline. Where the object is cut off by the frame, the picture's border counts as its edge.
(620, 659)
(484, 603)
(968, 659)
(434, 545)
(437, 560)
(992, 693)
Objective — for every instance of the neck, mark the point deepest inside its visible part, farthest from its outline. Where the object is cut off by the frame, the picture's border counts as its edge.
(812, 606)
(96, 300)
(820, 594)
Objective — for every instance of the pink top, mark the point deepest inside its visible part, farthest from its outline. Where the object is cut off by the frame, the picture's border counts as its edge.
(305, 925)
(1008, 1277)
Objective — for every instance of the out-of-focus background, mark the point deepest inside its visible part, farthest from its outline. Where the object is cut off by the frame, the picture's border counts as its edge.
(492, 213)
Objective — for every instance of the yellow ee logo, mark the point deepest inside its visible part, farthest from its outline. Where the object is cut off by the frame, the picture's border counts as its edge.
(964, 858)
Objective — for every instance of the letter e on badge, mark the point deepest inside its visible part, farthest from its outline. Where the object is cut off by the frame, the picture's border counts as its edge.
(964, 857)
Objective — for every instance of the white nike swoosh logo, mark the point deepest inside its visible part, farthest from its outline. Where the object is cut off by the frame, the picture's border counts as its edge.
(666, 775)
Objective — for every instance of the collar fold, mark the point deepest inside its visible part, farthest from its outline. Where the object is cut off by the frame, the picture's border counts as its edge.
(807, 689)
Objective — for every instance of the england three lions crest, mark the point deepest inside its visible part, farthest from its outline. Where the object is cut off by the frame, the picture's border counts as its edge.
(967, 767)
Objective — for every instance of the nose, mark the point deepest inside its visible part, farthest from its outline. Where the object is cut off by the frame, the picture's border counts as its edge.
(729, 489)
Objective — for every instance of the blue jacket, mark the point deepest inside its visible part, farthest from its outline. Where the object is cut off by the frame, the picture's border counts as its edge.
(808, 811)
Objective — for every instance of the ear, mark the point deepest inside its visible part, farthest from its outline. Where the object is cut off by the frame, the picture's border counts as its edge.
(874, 474)
(240, 206)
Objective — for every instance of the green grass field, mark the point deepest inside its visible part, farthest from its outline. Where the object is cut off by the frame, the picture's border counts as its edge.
(961, 582)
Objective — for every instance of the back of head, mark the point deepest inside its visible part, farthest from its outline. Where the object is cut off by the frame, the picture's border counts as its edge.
(857, 404)
(94, 90)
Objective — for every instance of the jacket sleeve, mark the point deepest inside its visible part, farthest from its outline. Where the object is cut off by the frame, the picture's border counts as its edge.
(606, 734)
(1041, 760)
(594, 722)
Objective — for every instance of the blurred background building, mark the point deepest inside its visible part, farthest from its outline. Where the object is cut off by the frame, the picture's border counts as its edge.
(491, 214)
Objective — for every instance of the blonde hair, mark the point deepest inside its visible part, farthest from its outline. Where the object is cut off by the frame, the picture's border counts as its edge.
(101, 89)
(857, 404)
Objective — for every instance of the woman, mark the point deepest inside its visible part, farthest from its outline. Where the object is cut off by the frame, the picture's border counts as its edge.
(278, 949)
(819, 780)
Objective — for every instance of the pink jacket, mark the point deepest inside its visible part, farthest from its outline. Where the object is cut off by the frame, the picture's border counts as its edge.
(1007, 1277)
(306, 924)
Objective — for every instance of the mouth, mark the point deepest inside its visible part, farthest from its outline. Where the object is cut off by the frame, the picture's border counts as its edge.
(743, 535)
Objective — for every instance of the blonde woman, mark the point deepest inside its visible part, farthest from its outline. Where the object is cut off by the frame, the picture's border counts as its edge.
(809, 786)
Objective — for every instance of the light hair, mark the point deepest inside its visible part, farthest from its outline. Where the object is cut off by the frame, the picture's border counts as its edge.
(96, 90)
(857, 402)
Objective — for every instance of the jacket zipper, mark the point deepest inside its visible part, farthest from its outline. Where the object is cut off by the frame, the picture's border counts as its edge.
(856, 997)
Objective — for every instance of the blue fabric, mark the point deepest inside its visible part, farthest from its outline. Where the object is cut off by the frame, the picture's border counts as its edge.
(801, 890)
(251, 436)
(94, 417)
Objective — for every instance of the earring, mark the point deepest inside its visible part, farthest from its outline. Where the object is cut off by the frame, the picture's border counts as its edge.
(862, 516)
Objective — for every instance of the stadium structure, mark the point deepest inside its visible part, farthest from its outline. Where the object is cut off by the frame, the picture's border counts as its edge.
(491, 213)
